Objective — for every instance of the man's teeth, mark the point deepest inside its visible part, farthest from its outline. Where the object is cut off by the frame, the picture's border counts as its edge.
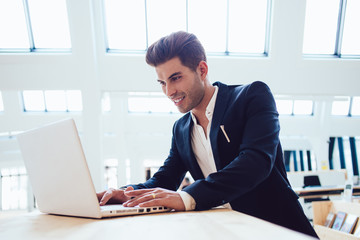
(178, 100)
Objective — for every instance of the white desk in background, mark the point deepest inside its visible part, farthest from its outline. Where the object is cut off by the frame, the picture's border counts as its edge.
(324, 191)
(213, 224)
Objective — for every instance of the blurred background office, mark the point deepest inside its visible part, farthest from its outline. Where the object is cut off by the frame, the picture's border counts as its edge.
(84, 59)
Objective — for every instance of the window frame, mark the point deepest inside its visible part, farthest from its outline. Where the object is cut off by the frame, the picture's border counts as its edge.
(293, 99)
(24, 110)
(32, 48)
(339, 37)
(224, 53)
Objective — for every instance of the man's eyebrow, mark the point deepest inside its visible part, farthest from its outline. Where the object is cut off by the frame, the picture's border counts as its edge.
(174, 74)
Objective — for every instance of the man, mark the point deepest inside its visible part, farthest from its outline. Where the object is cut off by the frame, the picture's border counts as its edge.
(228, 140)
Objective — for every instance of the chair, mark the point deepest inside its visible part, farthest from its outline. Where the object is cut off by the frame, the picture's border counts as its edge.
(311, 180)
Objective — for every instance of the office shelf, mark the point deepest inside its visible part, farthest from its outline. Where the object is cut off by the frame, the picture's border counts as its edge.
(321, 210)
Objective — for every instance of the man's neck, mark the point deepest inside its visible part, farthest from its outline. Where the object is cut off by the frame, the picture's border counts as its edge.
(199, 111)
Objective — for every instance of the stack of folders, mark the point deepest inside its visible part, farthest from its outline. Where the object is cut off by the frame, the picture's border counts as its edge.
(343, 222)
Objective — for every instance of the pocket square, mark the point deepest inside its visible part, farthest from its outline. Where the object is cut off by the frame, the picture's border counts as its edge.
(223, 130)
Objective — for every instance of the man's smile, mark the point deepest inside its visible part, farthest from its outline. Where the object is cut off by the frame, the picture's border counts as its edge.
(177, 101)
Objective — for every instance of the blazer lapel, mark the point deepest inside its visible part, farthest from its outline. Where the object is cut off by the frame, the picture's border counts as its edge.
(220, 107)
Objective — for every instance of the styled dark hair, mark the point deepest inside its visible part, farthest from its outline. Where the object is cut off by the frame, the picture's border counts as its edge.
(180, 44)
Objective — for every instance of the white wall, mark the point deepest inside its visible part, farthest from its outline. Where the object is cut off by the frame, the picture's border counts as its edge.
(90, 69)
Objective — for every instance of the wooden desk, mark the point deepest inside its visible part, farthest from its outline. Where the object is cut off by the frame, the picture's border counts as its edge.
(323, 191)
(213, 224)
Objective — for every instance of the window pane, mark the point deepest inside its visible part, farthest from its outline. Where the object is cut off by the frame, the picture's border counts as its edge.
(111, 172)
(74, 100)
(320, 26)
(1, 103)
(303, 107)
(247, 26)
(106, 102)
(210, 30)
(151, 105)
(351, 35)
(34, 100)
(340, 106)
(355, 108)
(13, 28)
(14, 189)
(284, 106)
(49, 23)
(165, 17)
(125, 24)
(55, 100)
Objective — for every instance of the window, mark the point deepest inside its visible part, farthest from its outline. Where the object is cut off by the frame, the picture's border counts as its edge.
(1, 103)
(55, 100)
(35, 25)
(74, 100)
(284, 107)
(143, 102)
(332, 30)
(320, 26)
(303, 107)
(355, 106)
(111, 173)
(52, 100)
(239, 27)
(340, 106)
(351, 37)
(33, 100)
(213, 38)
(119, 13)
(14, 35)
(287, 106)
(161, 20)
(245, 37)
(106, 102)
(14, 183)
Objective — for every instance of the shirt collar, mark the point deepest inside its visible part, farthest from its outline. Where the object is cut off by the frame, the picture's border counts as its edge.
(210, 107)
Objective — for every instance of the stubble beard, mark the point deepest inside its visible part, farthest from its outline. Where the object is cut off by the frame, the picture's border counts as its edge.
(194, 96)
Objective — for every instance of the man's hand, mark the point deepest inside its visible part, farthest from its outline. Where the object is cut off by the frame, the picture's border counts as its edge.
(154, 197)
(113, 196)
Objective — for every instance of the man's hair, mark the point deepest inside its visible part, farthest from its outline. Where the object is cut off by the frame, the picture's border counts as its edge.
(180, 44)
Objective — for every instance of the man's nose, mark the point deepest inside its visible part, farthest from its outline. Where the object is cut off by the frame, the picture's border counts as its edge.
(170, 90)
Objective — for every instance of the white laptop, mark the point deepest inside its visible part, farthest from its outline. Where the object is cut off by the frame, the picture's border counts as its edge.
(59, 175)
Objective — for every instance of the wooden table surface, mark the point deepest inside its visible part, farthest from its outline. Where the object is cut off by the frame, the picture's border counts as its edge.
(217, 224)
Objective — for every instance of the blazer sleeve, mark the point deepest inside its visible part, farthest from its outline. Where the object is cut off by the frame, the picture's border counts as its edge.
(170, 174)
(256, 151)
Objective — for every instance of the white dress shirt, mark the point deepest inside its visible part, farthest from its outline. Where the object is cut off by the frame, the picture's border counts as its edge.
(201, 146)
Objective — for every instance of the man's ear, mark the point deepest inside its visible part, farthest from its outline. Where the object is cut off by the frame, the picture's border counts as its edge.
(203, 69)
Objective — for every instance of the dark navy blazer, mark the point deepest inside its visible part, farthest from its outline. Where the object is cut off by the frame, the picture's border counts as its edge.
(250, 168)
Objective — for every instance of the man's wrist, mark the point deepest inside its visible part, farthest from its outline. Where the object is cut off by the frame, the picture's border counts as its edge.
(188, 200)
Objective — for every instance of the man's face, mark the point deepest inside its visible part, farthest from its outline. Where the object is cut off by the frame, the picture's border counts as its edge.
(182, 85)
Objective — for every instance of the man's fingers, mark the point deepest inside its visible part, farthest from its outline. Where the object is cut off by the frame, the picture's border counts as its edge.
(106, 197)
(154, 202)
(146, 197)
(130, 192)
(100, 195)
(135, 201)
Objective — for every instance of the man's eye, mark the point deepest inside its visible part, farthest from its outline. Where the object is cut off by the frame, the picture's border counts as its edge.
(162, 83)
(175, 78)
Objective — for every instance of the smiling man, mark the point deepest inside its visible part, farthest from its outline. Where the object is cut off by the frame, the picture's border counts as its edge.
(228, 140)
